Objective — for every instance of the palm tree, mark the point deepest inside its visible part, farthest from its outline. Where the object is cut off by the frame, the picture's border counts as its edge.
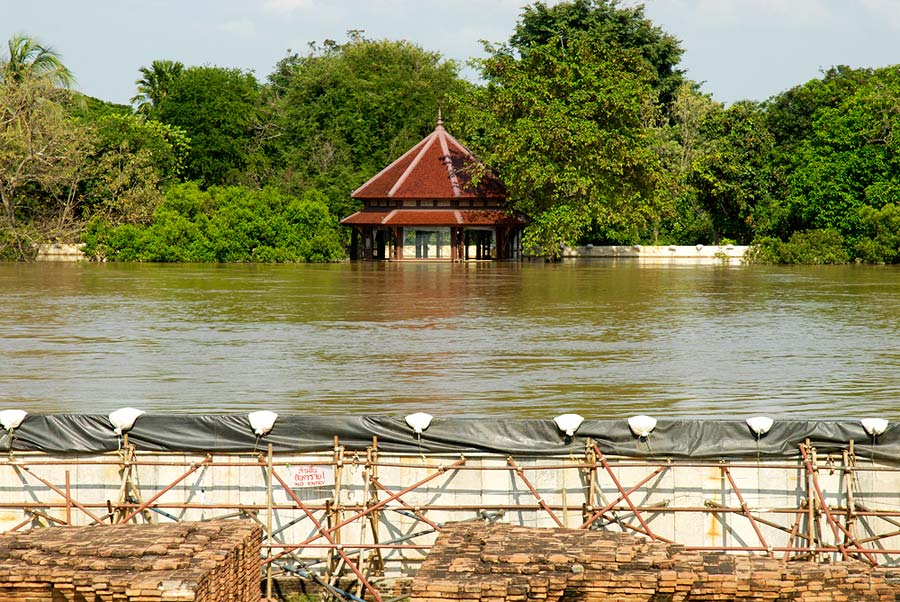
(28, 58)
(155, 83)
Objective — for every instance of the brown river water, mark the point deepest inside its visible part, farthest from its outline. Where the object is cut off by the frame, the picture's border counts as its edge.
(602, 338)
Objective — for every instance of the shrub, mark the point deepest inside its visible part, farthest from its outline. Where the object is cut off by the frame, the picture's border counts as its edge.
(882, 243)
(811, 247)
(232, 224)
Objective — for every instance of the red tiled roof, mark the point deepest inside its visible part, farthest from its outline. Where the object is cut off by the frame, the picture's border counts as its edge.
(365, 218)
(490, 217)
(438, 167)
(432, 217)
(423, 217)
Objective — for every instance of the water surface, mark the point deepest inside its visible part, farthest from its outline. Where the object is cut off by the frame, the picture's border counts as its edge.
(602, 338)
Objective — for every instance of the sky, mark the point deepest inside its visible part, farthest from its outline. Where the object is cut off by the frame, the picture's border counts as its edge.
(738, 49)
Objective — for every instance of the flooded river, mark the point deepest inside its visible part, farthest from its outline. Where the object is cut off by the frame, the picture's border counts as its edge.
(602, 338)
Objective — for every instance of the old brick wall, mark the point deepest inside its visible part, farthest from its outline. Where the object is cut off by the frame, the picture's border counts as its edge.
(472, 561)
(215, 561)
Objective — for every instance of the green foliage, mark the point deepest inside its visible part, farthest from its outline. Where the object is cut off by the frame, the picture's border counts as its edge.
(552, 230)
(567, 128)
(133, 158)
(882, 227)
(812, 247)
(154, 84)
(43, 155)
(733, 179)
(28, 59)
(345, 111)
(584, 114)
(606, 23)
(218, 110)
(231, 224)
(89, 109)
(848, 155)
(683, 143)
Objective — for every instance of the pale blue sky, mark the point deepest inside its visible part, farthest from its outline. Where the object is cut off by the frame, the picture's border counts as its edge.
(739, 48)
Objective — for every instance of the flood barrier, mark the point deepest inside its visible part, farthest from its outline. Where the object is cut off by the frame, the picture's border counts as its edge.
(354, 503)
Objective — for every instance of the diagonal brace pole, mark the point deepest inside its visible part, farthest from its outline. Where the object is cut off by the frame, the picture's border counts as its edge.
(385, 501)
(327, 535)
(59, 491)
(597, 514)
(418, 513)
(626, 496)
(534, 492)
(194, 468)
(835, 525)
(745, 509)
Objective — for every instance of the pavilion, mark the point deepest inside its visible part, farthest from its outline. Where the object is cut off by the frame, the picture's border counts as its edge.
(425, 205)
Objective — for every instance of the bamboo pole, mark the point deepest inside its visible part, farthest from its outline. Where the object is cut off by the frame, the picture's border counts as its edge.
(269, 501)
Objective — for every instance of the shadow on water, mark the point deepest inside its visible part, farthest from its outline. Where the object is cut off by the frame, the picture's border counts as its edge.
(603, 338)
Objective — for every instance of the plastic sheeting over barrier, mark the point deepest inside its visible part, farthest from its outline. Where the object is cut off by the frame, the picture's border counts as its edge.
(82, 433)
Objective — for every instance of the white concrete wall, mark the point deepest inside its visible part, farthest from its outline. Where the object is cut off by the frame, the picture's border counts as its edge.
(60, 252)
(704, 254)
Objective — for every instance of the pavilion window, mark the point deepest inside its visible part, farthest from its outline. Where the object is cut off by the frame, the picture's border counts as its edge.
(480, 244)
(426, 243)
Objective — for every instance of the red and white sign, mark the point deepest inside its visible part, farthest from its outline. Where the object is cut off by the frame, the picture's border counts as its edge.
(311, 476)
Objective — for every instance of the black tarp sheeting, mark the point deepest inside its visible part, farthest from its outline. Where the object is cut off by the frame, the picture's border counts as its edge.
(84, 433)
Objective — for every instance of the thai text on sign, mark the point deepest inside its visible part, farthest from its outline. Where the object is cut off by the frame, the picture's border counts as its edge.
(311, 476)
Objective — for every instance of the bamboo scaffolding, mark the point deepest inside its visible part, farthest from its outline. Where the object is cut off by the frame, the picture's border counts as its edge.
(357, 537)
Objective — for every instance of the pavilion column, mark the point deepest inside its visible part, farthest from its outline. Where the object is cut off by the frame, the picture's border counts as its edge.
(367, 244)
(354, 243)
(501, 242)
(398, 243)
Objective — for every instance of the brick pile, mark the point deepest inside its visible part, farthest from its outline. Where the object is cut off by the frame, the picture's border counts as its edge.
(501, 563)
(215, 561)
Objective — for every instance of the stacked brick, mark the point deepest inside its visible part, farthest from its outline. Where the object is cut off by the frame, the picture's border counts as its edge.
(473, 562)
(215, 561)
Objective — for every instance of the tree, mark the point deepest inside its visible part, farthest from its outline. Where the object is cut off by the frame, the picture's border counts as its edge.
(218, 110)
(681, 143)
(607, 23)
(345, 111)
(28, 59)
(849, 156)
(733, 181)
(154, 84)
(42, 155)
(133, 159)
(568, 129)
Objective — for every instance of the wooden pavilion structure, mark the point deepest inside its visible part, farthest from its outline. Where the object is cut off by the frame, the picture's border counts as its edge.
(426, 205)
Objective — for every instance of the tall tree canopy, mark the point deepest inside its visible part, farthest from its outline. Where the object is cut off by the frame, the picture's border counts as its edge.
(28, 59)
(154, 84)
(843, 151)
(42, 149)
(569, 128)
(218, 109)
(608, 23)
(347, 110)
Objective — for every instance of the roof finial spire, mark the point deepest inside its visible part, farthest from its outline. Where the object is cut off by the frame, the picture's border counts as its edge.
(440, 119)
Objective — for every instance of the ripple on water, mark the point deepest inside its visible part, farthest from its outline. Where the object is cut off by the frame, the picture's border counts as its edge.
(604, 339)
